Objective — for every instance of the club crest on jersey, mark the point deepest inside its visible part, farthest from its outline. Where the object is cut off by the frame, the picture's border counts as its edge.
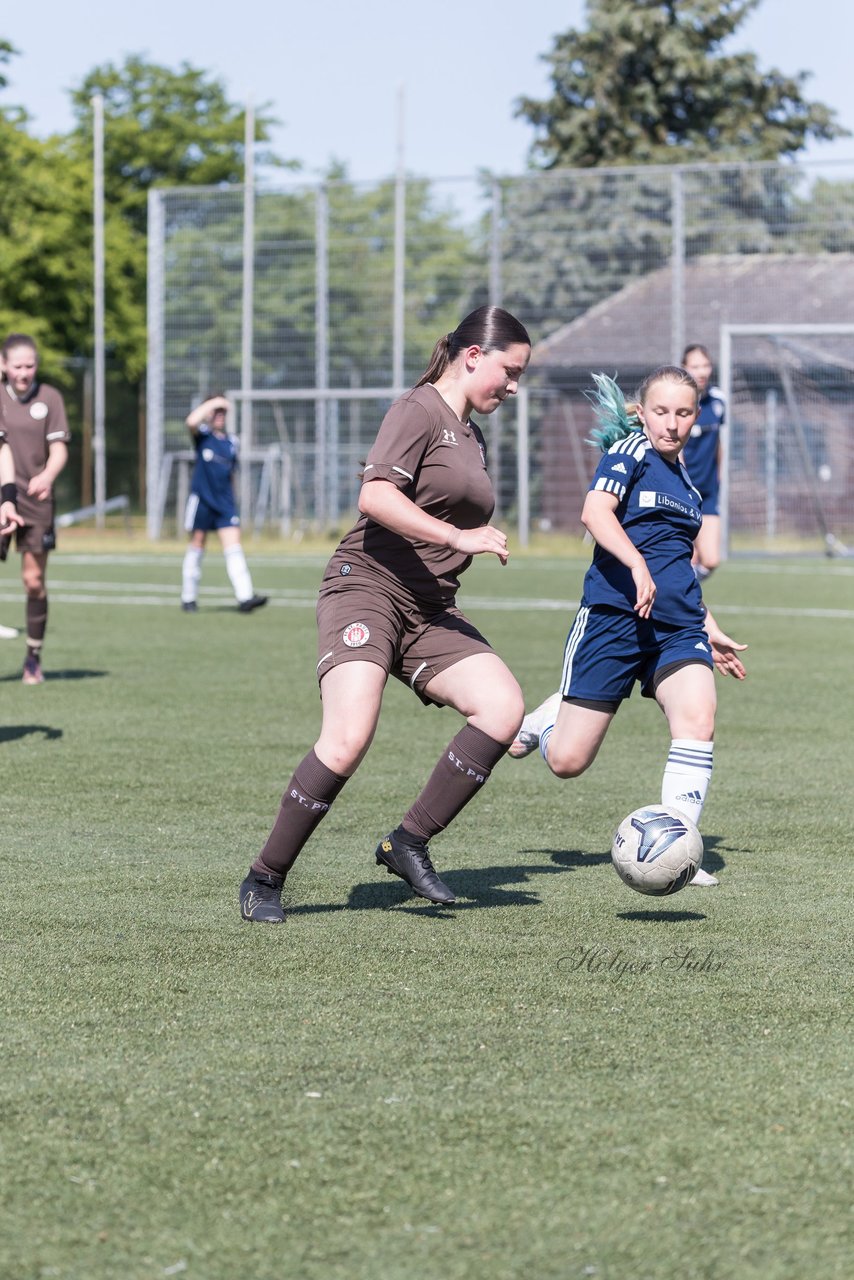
(38, 410)
(355, 635)
(448, 437)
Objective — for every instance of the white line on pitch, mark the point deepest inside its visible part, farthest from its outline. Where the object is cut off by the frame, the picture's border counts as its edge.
(283, 601)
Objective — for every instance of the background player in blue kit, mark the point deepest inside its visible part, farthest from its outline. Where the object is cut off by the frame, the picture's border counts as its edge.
(702, 458)
(642, 615)
(211, 505)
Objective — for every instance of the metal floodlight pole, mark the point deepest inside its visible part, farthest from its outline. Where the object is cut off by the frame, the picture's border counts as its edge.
(321, 352)
(523, 464)
(155, 376)
(496, 212)
(246, 329)
(677, 267)
(399, 246)
(98, 440)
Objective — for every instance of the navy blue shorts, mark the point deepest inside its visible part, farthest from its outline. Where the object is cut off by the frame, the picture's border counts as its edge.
(200, 515)
(607, 650)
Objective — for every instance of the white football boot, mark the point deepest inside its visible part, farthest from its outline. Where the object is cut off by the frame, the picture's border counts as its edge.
(528, 737)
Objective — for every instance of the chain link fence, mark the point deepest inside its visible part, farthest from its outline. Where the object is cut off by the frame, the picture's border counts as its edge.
(352, 284)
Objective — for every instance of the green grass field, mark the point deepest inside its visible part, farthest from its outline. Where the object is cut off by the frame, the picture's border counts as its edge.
(557, 1078)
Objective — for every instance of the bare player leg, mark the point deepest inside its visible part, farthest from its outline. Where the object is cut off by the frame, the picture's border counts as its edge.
(688, 699)
(574, 742)
(352, 696)
(483, 690)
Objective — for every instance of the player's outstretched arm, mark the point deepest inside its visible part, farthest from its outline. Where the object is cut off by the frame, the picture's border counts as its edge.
(725, 650)
(383, 502)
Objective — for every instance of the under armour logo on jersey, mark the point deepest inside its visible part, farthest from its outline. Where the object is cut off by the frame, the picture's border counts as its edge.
(619, 467)
(448, 437)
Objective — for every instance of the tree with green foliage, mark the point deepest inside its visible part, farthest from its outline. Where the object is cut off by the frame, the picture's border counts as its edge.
(650, 82)
(45, 234)
(165, 128)
(161, 128)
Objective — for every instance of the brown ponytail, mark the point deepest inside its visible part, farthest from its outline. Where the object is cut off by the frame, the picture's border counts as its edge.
(490, 328)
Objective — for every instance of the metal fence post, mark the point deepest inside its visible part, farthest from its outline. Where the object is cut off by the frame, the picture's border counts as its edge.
(523, 465)
(677, 267)
(154, 377)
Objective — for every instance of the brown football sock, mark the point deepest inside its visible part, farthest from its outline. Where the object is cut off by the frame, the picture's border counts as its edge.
(461, 772)
(36, 622)
(305, 803)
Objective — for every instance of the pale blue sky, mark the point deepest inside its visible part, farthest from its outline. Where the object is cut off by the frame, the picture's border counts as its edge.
(331, 70)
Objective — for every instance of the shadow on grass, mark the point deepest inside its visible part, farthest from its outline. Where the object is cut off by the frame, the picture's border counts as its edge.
(12, 732)
(662, 916)
(70, 673)
(485, 887)
(712, 859)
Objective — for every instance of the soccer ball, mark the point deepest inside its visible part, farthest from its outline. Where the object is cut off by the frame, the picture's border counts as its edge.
(656, 850)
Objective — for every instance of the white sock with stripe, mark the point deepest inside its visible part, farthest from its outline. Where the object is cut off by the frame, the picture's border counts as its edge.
(687, 775)
(238, 572)
(191, 574)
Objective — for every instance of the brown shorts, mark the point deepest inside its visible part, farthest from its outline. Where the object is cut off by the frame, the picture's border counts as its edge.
(38, 538)
(361, 625)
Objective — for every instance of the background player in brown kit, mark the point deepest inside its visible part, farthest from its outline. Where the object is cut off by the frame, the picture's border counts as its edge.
(387, 607)
(32, 414)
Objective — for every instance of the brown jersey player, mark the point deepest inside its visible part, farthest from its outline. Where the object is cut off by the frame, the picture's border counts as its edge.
(387, 607)
(32, 415)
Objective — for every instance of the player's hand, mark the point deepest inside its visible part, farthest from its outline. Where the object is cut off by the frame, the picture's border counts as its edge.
(9, 518)
(476, 542)
(725, 651)
(644, 589)
(40, 486)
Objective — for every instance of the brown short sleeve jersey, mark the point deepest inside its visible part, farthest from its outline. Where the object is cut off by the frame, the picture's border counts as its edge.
(438, 462)
(31, 426)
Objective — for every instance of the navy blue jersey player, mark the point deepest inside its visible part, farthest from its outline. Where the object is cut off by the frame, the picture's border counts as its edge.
(211, 505)
(642, 616)
(702, 457)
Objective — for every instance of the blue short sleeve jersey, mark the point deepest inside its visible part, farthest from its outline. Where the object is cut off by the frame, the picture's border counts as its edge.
(216, 459)
(660, 511)
(700, 454)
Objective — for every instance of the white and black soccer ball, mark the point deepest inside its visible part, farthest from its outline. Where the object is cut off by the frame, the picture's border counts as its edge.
(657, 850)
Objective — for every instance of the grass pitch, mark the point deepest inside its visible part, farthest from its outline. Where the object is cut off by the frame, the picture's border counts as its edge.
(556, 1078)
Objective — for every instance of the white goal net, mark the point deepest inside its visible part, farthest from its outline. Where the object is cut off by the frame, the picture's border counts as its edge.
(788, 448)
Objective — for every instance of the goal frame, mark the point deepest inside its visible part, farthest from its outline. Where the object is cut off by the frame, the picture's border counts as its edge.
(727, 333)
